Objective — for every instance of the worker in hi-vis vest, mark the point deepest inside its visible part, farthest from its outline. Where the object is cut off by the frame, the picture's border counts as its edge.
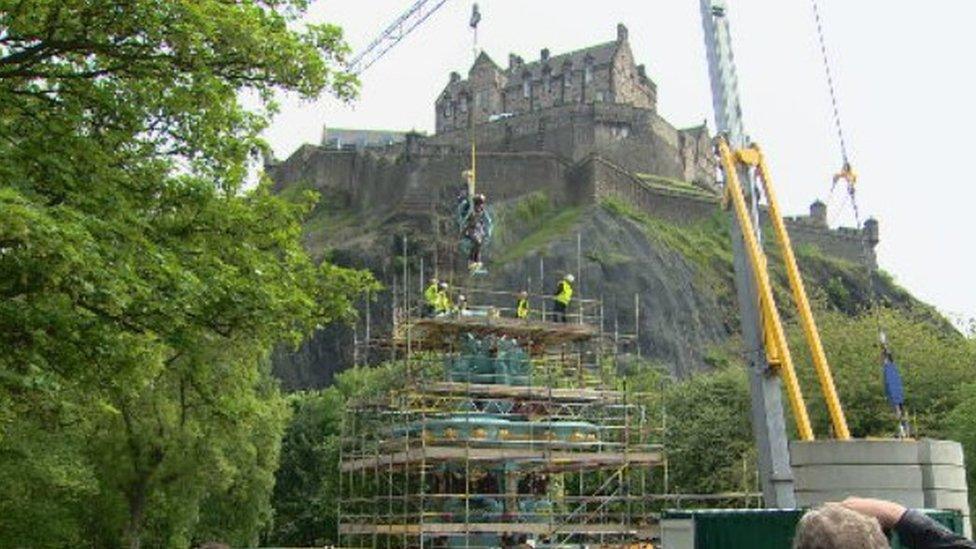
(430, 298)
(444, 303)
(522, 306)
(562, 297)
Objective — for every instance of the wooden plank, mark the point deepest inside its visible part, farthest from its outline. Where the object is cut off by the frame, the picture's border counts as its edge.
(435, 333)
(644, 531)
(560, 460)
(525, 391)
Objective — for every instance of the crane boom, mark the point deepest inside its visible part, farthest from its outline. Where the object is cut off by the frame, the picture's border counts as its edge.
(768, 424)
(394, 33)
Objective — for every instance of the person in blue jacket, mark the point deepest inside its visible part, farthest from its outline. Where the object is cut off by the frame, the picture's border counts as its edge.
(894, 390)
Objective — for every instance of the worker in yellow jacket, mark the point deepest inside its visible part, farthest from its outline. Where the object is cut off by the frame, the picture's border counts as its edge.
(431, 298)
(562, 298)
(522, 306)
(444, 303)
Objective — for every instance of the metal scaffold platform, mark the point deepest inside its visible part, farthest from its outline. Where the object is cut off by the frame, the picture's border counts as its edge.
(505, 430)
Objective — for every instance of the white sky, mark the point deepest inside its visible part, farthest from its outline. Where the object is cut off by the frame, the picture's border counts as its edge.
(902, 71)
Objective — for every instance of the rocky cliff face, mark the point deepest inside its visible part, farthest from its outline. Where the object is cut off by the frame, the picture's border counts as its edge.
(681, 274)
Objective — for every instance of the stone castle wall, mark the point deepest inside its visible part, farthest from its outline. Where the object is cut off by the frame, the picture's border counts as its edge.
(845, 243)
(370, 180)
(383, 181)
(599, 179)
(637, 139)
(606, 180)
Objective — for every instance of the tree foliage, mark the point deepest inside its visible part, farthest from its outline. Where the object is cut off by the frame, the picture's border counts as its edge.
(307, 486)
(140, 287)
(708, 437)
(933, 361)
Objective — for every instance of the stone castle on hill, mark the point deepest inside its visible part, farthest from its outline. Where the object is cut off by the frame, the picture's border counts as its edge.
(580, 126)
(604, 73)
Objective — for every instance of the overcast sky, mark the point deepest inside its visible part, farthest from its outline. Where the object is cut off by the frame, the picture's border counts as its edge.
(902, 71)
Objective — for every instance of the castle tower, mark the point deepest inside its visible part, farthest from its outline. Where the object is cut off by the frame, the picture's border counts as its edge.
(604, 73)
(818, 213)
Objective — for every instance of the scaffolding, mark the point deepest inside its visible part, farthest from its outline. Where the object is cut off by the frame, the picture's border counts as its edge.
(505, 431)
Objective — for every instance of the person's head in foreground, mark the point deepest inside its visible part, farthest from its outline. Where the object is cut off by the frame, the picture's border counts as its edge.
(836, 526)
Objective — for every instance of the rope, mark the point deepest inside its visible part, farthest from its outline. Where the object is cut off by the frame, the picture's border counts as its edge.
(473, 23)
(872, 286)
(865, 252)
(830, 81)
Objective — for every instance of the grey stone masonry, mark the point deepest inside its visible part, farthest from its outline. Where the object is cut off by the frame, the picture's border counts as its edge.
(604, 73)
(919, 474)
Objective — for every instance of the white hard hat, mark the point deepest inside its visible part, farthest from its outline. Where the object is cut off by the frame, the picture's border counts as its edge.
(569, 278)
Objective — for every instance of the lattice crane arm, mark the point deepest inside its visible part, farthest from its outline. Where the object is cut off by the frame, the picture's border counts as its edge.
(403, 25)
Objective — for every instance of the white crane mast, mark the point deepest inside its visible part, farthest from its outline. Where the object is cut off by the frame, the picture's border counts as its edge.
(768, 424)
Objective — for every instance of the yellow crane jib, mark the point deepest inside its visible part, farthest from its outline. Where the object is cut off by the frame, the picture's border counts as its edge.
(837, 419)
(775, 337)
(753, 157)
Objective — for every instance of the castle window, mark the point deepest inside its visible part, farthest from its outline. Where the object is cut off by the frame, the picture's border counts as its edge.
(620, 131)
(464, 103)
(588, 73)
(526, 89)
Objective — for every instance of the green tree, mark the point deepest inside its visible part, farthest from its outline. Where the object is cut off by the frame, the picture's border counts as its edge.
(306, 491)
(140, 286)
(933, 360)
(961, 426)
(307, 485)
(708, 437)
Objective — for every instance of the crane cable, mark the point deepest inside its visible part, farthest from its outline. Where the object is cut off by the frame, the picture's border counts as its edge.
(473, 23)
(848, 174)
(830, 82)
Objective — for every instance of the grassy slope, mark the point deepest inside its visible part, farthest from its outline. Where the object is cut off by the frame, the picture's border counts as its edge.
(329, 225)
(834, 283)
(528, 224)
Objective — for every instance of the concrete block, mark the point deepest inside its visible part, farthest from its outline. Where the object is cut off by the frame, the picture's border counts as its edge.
(908, 498)
(854, 452)
(943, 477)
(945, 499)
(941, 452)
(853, 477)
(677, 533)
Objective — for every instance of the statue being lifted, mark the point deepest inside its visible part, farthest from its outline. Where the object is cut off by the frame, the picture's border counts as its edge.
(475, 224)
